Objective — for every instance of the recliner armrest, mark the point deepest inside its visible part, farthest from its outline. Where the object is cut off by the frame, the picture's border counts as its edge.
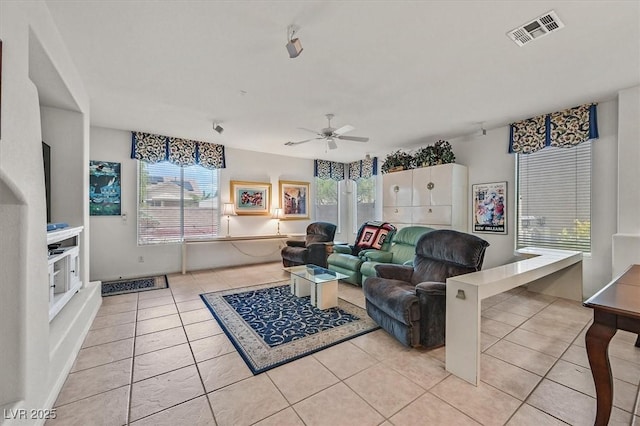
(296, 243)
(319, 252)
(394, 272)
(342, 248)
(377, 256)
(431, 288)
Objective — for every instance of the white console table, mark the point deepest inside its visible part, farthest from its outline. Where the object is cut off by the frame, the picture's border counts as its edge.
(189, 241)
(554, 272)
(64, 268)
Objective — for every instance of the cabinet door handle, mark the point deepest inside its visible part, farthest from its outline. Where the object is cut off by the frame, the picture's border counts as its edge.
(430, 186)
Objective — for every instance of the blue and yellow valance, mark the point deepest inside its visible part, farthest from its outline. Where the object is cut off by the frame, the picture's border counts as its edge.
(181, 152)
(562, 129)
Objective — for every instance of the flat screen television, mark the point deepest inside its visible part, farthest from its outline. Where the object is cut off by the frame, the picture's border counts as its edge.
(46, 159)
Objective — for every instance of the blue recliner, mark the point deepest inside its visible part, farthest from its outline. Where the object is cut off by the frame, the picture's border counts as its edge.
(409, 302)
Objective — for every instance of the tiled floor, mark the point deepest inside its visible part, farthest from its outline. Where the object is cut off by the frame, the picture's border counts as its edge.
(159, 358)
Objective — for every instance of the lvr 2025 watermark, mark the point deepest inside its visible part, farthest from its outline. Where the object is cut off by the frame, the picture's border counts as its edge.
(29, 414)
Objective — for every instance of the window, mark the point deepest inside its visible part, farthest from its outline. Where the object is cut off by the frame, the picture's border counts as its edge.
(176, 202)
(554, 198)
(365, 201)
(327, 200)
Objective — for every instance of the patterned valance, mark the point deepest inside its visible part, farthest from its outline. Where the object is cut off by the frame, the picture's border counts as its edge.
(363, 168)
(562, 129)
(181, 152)
(329, 170)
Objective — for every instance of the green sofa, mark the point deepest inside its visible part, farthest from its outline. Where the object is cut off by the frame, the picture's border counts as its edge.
(401, 252)
(345, 258)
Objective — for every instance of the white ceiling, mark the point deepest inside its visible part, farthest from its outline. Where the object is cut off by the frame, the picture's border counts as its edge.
(402, 73)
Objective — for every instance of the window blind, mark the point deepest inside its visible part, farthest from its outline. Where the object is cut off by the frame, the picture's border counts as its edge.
(327, 201)
(365, 200)
(176, 202)
(554, 198)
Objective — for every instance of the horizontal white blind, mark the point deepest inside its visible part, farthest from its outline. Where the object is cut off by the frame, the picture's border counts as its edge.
(327, 204)
(365, 201)
(554, 198)
(176, 202)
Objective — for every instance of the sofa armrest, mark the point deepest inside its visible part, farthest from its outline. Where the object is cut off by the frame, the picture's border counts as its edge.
(296, 243)
(394, 272)
(342, 248)
(377, 256)
(431, 288)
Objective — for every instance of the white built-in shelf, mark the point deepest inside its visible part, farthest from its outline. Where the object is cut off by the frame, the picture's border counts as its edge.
(64, 268)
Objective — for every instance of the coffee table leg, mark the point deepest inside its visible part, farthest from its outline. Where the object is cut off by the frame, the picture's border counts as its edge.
(299, 286)
(327, 295)
(597, 341)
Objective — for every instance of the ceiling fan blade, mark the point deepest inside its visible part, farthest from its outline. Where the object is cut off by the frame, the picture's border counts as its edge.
(344, 129)
(353, 138)
(299, 142)
(315, 132)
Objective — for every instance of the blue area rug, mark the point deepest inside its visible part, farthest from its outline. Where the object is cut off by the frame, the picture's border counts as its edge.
(269, 326)
(112, 288)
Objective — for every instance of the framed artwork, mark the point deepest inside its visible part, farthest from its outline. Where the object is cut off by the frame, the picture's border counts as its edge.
(294, 199)
(251, 198)
(490, 207)
(104, 188)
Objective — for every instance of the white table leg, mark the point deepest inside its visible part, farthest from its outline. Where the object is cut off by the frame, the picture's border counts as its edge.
(299, 286)
(462, 347)
(325, 295)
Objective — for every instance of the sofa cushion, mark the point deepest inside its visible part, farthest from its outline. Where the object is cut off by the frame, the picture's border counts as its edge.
(345, 261)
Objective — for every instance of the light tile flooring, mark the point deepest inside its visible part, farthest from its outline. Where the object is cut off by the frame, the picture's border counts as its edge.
(159, 358)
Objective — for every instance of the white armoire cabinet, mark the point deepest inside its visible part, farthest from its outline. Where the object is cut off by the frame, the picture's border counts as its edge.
(433, 196)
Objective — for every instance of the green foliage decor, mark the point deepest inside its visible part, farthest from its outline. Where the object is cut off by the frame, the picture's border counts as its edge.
(399, 160)
(432, 155)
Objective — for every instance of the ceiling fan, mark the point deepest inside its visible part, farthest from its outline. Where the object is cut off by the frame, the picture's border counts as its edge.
(330, 134)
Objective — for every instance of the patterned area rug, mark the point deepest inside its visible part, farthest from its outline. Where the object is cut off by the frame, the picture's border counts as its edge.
(269, 326)
(132, 285)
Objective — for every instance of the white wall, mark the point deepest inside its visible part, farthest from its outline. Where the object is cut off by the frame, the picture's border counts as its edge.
(626, 242)
(114, 249)
(33, 377)
(489, 161)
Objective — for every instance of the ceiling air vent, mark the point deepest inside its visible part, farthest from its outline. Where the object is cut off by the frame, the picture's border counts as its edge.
(539, 27)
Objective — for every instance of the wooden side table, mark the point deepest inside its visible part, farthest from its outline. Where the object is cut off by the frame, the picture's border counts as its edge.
(615, 307)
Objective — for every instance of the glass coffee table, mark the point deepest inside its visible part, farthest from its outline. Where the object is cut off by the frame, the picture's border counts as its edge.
(319, 283)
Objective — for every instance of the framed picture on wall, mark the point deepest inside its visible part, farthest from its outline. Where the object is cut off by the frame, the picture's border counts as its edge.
(104, 188)
(490, 207)
(294, 199)
(251, 198)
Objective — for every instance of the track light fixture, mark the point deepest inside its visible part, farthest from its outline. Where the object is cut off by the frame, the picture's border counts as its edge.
(294, 47)
(218, 128)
